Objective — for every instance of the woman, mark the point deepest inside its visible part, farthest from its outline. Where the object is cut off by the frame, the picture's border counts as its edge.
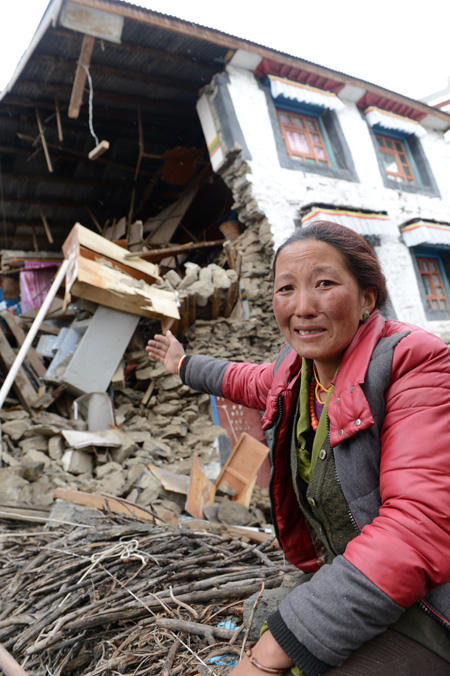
(360, 484)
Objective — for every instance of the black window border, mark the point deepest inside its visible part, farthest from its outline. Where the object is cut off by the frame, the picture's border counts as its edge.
(341, 150)
(429, 186)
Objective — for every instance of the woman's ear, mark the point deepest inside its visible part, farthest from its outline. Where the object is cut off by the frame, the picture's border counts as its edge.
(369, 299)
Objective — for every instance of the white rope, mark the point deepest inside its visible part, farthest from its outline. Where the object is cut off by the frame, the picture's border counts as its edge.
(91, 99)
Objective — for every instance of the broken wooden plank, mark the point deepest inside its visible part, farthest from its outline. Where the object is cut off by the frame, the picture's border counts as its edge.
(105, 503)
(83, 238)
(201, 491)
(19, 335)
(25, 391)
(99, 284)
(158, 254)
(231, 299)
(79, 81)
(241, 467)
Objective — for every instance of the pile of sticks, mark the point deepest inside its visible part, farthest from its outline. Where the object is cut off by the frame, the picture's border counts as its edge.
(126, 597)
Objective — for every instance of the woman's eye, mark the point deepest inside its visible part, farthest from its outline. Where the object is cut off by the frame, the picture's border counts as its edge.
(286, 287)
(325, 283)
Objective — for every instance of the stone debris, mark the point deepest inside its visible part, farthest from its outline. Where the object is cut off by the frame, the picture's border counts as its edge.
(172, 425)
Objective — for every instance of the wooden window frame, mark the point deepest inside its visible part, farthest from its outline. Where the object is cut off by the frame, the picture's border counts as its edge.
(440, 297)
(401, 175)
(306, 157)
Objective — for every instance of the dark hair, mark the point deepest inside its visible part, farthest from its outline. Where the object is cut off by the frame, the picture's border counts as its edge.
(358, 255)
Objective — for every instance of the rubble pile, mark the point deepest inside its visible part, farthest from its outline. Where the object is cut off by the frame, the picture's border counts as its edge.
(160, 421)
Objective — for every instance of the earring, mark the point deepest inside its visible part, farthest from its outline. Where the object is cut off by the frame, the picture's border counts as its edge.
(365, 315)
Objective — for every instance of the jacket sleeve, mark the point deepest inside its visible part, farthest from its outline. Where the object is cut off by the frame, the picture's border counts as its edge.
(242, 383)
(405, 550)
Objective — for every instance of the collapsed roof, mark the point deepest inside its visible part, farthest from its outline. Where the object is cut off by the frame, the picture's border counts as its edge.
(119, 83)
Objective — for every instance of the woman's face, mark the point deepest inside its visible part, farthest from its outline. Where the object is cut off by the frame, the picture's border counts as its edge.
(317, 303)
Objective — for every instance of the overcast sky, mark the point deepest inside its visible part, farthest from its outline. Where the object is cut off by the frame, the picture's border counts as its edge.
(402, 46)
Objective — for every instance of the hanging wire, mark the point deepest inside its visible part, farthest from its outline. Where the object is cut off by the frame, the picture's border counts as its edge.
(91, 99)
(2, 199)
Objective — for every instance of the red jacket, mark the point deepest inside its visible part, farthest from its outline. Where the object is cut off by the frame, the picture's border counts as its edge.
(404, 546)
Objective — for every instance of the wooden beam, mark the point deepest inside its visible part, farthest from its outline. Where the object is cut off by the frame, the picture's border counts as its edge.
(58, 121)
(25, 391)
(154, 254)
(48, 232)
(43, 141)
(19, 335)
(76, 97)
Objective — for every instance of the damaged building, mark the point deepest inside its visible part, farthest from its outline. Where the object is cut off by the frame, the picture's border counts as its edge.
(158, 164)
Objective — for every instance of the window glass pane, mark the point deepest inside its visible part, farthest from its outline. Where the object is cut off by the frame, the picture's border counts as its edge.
(284, 118)
(435, 305)
(407, 170)
(315, 138)
(310, 124)
(432, 264)
(319, 153)
(403, 159)
(436, 279)
(298, 122)
(390, 163)
(297, 142)
(426, 283)
(380, 141)
(423, 264)
(399, 146)
(389, 144)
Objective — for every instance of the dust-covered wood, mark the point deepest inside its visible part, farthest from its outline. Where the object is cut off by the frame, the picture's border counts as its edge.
(126, 596)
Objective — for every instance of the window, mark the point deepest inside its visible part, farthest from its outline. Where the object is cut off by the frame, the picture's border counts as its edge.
(433, 283)
(306, 128)
(402, 161)
(303, 137)
(394, 153)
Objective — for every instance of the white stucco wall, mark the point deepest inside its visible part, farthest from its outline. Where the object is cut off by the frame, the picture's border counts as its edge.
(280, 192)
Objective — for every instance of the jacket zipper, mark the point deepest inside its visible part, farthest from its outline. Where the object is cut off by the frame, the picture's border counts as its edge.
(276, 428)
(435, 617)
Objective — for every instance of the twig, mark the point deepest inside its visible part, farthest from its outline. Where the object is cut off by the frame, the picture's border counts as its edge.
(250, 620)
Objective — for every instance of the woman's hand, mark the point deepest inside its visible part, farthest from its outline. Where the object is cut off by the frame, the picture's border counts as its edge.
(268, 653)
(167, 350)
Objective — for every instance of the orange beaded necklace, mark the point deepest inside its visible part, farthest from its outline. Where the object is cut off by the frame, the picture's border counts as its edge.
(315, 386)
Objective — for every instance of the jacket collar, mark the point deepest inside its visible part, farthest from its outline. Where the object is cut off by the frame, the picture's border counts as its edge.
(349, 411)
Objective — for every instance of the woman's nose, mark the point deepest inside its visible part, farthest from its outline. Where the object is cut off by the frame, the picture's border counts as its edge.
(304, 304)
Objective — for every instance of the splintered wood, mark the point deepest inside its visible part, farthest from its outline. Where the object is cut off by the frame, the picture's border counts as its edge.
(125, 597)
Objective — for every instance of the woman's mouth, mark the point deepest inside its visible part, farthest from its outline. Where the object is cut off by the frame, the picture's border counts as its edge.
(312, 332)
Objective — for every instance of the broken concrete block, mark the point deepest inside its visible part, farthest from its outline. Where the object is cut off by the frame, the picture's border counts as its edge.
(170, 382)
(32, 457)
(233, 514)
(173, 278)
(77, 462)
(15, 429)
(14, 488)
(109, 468)
(37, 443)
(56, 448)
